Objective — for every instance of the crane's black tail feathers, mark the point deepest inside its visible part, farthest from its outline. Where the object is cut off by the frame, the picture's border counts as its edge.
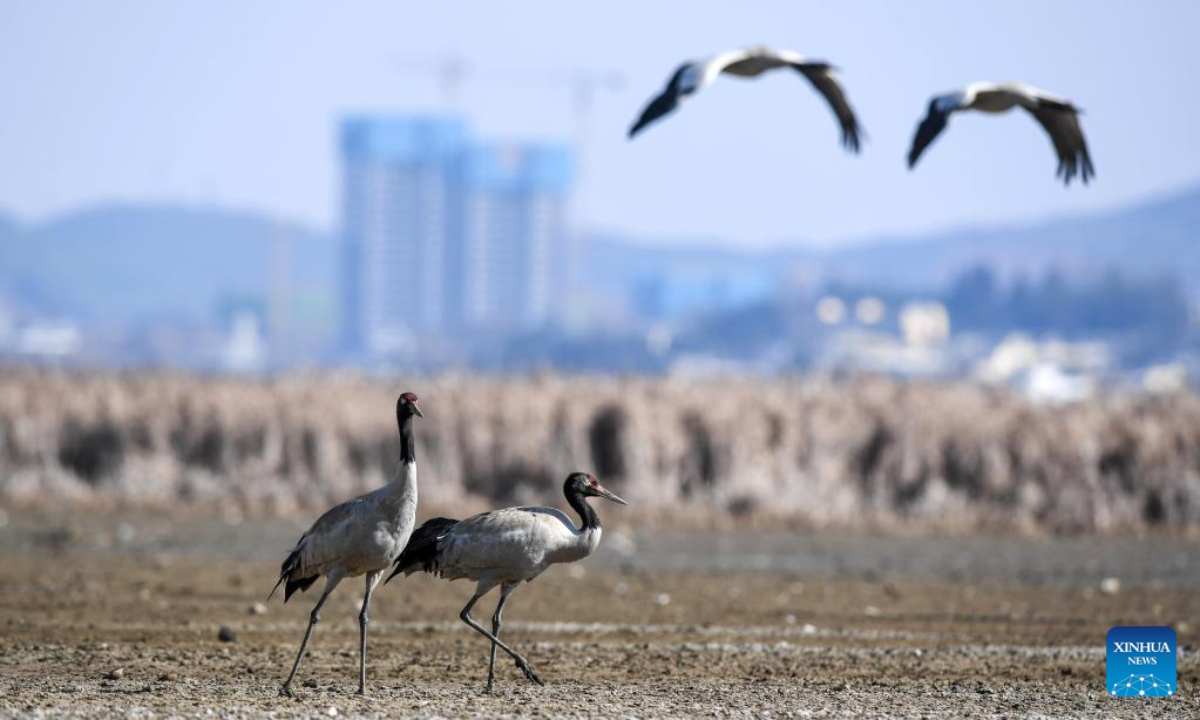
(290, 584)
(420, 554)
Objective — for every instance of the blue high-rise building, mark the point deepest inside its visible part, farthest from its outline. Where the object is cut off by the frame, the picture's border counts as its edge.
(514, 241)
(443, 235)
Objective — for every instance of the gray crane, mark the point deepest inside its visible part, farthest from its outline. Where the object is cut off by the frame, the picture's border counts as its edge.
(690, 77)
(506, 548)
(361, 536)
(1057, 116)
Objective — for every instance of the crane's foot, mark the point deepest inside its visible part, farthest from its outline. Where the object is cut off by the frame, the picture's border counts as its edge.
(286, 691)
(488, 690)
(529, 673)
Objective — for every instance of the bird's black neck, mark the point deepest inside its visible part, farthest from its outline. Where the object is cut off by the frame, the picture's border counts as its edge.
(587, 515)
(408, 447)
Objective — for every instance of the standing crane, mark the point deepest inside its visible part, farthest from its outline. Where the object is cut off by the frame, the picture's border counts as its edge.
(506, 548)
(360, 536)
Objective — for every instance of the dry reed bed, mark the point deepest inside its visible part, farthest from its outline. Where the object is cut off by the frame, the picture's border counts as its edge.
(865, 453)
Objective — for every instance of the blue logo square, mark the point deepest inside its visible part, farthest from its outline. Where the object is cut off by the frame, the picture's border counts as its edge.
(1140, 661)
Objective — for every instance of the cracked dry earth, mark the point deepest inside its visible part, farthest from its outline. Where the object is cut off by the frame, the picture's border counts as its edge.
(121, 616)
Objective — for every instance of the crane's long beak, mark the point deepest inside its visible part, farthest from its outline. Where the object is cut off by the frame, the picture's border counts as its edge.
(609, 495)
(417, 411)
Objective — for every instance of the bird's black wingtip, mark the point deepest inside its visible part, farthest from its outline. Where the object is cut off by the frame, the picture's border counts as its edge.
(301, 584)
(277, 584)
(396, 570)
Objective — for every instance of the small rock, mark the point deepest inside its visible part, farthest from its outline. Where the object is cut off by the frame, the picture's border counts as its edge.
(166, 677)
(310, 683)
(257, 609)
(790, 619)
(116, 674)
(331, 712)
(663, 599)
(809, 629)
(1110, 586)
(226, 634)
(872, 611)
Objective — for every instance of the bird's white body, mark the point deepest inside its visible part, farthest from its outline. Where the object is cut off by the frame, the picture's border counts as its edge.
(746, 62)
(991, 97)
(513, 545)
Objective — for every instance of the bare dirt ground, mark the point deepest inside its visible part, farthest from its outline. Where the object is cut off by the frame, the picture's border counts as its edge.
(121, 615)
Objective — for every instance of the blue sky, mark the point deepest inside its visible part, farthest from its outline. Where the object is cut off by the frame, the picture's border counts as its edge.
(236, 104)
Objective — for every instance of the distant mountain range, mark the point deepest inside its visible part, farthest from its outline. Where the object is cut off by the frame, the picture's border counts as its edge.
(1161, 236)
(117, 264)
(123, 263)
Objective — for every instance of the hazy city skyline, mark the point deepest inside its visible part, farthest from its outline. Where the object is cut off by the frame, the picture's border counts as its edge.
(142, 102)
(444, 234)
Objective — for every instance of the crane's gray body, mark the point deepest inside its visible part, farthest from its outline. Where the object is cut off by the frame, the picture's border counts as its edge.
(362, 535)
(512, 545)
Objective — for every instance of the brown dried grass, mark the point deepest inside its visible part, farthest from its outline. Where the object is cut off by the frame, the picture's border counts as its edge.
(867, 453)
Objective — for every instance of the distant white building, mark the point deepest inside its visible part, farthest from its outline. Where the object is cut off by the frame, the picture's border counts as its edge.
(245, 349)
(925, 324)
(1051, 371)
(50, 339)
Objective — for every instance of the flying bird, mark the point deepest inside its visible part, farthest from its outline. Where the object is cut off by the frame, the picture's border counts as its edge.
(1058, 116)
(360, 536)
(506, 548)
(690, 77)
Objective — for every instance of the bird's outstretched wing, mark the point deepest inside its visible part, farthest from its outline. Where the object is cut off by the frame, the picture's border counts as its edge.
(664, 103)
(934, 122)
(820, 74)
(1061, 122)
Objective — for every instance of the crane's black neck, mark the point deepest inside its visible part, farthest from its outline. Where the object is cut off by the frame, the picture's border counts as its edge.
(408, 447)
(580, 505)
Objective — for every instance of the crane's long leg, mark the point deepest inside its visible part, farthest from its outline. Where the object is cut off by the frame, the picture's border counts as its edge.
(330, 583)
(465, 615)
(372, 578)
(505, 590)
